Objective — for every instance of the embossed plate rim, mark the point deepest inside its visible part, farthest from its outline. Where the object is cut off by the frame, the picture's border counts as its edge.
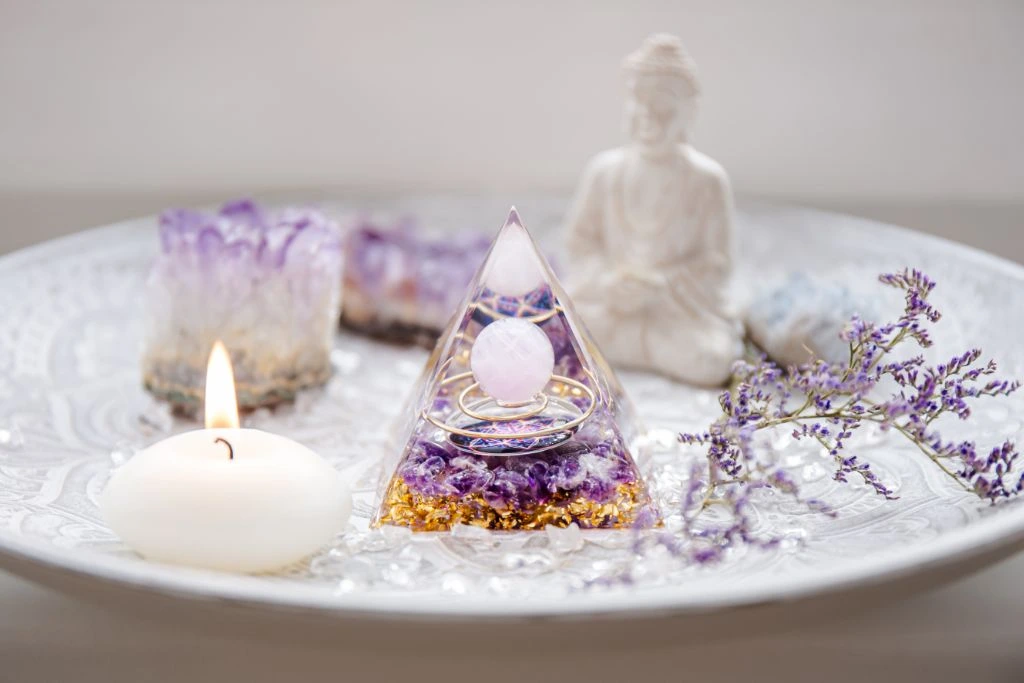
(1003, 531)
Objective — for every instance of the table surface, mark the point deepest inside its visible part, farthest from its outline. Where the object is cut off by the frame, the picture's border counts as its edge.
(971, 630)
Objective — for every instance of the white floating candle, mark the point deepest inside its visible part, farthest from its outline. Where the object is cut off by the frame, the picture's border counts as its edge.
(226, 498)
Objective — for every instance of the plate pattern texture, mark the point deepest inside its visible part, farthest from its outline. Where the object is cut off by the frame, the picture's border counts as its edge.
(72, 408)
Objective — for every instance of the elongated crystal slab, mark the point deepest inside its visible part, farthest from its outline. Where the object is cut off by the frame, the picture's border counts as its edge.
(402, 286)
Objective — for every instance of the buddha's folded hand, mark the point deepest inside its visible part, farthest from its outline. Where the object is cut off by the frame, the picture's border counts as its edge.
(632, 291)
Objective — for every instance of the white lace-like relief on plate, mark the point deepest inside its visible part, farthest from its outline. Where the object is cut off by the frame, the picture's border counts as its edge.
(71, 406)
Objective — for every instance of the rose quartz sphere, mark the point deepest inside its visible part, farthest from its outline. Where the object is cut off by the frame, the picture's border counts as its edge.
(512, 359)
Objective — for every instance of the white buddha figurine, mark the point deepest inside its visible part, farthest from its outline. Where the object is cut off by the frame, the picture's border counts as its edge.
(650, 234)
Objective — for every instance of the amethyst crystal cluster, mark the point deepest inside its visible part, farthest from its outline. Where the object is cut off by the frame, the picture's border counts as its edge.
(266, 283)
(402, 286)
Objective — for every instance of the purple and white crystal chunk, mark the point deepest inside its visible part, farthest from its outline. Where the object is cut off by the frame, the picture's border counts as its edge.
(265, 282)
(404, 285)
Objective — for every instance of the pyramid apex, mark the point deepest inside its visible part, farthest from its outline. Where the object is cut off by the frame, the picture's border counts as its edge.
(513, 218)
(514, 266)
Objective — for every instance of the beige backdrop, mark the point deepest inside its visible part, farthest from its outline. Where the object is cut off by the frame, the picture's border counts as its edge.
(115, 108)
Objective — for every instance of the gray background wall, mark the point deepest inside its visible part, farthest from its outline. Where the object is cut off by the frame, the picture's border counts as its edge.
(907, 110)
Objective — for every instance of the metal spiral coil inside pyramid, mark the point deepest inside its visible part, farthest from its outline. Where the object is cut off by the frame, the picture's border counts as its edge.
(564, 456)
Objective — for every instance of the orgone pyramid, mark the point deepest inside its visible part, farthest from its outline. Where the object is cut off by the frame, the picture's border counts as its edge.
(517, 421)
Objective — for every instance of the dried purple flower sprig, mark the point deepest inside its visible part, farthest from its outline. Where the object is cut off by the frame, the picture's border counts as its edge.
(828, 403)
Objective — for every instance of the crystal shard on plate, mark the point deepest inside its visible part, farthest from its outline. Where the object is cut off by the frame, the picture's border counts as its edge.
(266, 283)
(566, 455)
(403, 286)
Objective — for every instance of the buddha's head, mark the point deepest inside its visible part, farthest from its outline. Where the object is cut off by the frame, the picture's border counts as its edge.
(662, 91)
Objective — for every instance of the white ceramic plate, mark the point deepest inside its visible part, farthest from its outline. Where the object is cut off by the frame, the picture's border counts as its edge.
(70, 397)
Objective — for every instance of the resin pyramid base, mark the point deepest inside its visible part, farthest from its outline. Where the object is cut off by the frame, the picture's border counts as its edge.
(405, 508)
(593, 484)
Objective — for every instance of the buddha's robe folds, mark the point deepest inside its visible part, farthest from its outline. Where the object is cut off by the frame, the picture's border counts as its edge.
(651, 264)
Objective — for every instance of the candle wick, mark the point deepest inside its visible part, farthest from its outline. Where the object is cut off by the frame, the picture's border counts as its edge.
(231, 450)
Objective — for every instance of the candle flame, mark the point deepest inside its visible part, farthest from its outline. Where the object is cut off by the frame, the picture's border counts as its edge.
(221, 401)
